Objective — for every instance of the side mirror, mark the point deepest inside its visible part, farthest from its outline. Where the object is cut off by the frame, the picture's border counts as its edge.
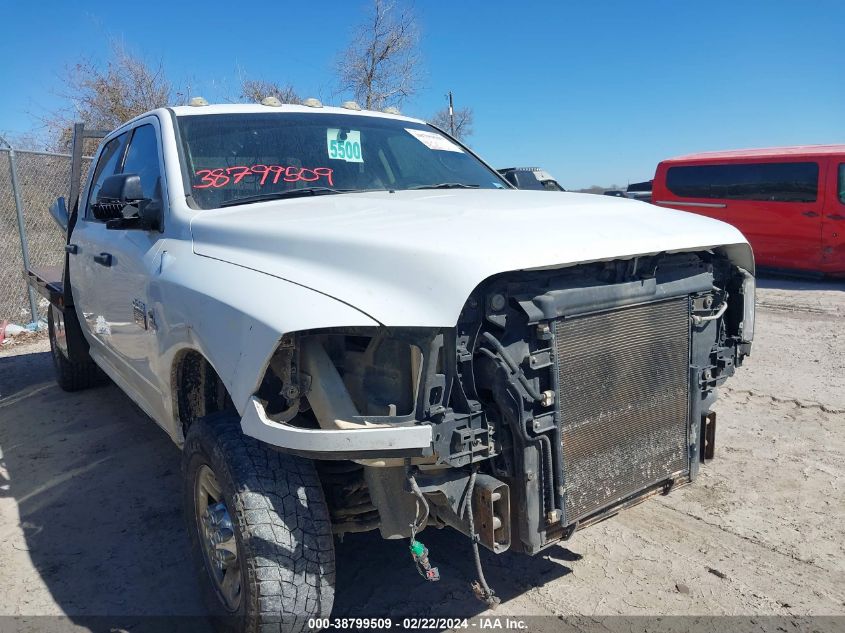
(122, 204)
(124, 188)
(59, 212)
(149, 214)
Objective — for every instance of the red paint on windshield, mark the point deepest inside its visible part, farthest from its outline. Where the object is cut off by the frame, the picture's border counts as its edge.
(222, 176)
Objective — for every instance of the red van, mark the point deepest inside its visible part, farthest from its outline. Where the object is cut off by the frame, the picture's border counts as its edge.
(788, 201)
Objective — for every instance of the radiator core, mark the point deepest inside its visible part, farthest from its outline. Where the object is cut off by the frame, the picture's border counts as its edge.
(623, 382)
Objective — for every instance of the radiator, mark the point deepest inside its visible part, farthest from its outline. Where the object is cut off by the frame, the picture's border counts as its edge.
(623, 402)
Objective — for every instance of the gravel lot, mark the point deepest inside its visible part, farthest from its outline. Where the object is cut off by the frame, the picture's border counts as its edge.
(90, 517)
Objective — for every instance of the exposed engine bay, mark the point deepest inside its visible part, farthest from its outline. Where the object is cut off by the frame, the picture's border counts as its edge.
(559, 397)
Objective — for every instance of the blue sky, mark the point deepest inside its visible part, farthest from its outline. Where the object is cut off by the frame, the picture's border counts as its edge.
(595, 92)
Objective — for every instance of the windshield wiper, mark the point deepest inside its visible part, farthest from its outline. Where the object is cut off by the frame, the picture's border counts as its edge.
(290, 193)
(447, 185)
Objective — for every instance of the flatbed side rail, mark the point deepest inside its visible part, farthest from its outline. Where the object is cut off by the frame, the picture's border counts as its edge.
(77, 148)
(48, 283)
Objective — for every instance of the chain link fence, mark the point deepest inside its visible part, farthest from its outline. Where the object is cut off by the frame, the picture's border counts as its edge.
(29, 183)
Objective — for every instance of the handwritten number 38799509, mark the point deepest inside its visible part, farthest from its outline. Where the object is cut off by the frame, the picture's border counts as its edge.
(222, 176)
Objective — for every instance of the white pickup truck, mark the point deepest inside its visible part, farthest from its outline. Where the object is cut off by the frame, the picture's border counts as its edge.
(350, 322)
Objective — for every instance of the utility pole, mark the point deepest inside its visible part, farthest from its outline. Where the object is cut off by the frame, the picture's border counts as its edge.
(451, 116)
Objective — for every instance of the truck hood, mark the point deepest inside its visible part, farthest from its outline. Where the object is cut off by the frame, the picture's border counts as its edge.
(411, 258)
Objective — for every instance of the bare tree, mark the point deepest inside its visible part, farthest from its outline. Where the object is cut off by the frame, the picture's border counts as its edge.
(105, 97)
(256, 89)
(463, 118)
(382, 65)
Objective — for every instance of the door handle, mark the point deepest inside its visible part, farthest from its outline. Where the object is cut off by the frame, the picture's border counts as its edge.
(836, 216)
(104, 259)
(71, 249)
(810, 214)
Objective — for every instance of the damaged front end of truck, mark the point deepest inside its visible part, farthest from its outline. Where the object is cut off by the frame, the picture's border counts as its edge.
(559, 397)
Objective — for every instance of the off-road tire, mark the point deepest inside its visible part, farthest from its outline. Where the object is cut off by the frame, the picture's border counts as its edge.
(281, 524)
(72, 374)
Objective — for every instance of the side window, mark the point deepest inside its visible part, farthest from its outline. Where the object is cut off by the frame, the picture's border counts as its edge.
(108, 164)
(842, 183)
(142, 159)
(773, 182)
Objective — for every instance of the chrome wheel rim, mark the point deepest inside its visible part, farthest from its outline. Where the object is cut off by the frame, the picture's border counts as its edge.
(217, 537)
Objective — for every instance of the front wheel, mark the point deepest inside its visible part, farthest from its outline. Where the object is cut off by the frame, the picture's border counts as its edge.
(259, 529)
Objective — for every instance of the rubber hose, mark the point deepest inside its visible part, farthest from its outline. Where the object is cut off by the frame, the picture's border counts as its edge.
(503, 353)
(489, 596)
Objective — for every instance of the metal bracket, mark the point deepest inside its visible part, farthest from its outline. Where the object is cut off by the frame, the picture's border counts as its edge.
(708, 436)
(366, 442)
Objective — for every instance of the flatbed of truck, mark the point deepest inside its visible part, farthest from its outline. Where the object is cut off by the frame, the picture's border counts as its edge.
(48, 281)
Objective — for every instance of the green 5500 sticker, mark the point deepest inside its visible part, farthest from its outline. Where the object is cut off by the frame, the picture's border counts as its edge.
(344, 145)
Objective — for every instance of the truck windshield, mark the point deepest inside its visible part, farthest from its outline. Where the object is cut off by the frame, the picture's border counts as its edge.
(253, 157)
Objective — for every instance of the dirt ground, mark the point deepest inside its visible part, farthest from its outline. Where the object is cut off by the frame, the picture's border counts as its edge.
(90, 517)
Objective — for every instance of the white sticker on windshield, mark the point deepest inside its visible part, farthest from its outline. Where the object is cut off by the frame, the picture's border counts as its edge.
(344, 145)
(433, 140)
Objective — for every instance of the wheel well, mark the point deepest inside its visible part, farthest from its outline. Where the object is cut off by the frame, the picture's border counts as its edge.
(197, 389)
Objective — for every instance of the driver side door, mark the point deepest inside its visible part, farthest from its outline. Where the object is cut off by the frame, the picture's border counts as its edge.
(135, 252)
(120, 263)
(87, 242)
